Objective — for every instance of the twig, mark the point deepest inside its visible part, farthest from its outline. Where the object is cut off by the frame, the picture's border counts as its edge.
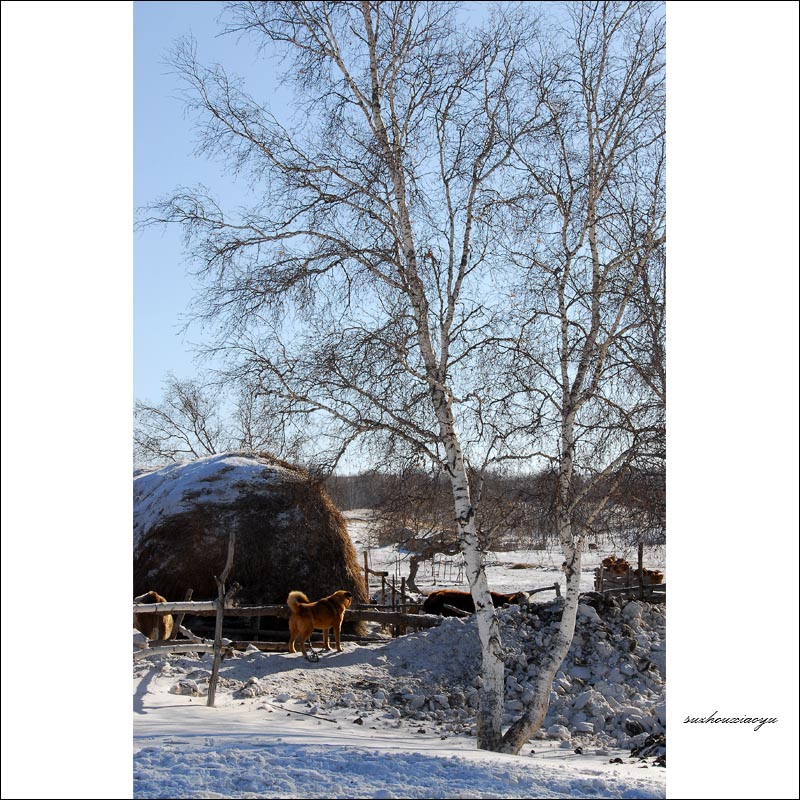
(305, 713)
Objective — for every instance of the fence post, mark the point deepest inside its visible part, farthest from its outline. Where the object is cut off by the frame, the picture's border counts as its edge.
(366, 571)
(212, 683)
(179, 619)
(403, 603)
(394, 603)
(641, 573)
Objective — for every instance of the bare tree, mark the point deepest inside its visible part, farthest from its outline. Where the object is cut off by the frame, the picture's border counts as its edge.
(203, 416)
(592, 244)
(185, 424)
(354, 292)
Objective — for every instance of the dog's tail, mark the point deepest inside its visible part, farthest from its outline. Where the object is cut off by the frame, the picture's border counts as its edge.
(295, 598)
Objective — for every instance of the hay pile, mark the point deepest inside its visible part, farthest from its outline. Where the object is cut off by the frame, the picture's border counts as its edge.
(289, 535)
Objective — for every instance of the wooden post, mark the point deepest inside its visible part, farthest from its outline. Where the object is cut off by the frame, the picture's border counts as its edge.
(383, 590)
(212, 683)
(394, 627)
(179, 619)
(366, 571)
(641, 574)
(402, 603)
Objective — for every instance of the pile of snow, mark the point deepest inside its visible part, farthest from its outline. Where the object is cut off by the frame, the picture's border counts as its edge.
(610, 691)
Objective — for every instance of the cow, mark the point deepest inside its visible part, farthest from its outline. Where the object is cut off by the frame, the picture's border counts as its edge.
(153, 626)
(436, 602)
(619, 568)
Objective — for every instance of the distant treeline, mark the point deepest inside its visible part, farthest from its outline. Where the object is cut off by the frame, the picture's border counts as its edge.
(514, 510)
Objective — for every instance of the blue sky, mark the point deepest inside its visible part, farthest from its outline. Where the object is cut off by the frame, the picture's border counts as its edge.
(163, 160)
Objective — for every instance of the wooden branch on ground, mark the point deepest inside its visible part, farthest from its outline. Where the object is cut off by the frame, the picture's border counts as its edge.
(653, 588)
(553, 587)
(169, 648)
(189, 635)
(459, 612)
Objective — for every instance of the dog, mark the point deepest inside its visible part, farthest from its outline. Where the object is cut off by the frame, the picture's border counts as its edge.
(153, 626)
(323, 614)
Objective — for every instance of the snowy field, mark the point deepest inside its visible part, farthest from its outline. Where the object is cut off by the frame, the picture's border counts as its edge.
(542, 567)
(394, 719)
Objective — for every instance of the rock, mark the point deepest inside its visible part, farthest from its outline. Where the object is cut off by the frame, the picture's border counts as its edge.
(527, 695)
(584, 727)
(558, 732)
(583, 673)
(632, 610)
(588, 613)
(457, 700)
(633, 726)
(282, 697)
(185, 686)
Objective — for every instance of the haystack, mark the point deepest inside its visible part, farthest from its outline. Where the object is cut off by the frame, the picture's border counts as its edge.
(289, 535)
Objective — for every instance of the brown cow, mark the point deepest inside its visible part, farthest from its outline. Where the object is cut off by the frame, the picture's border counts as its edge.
(613, 566)
(435, 602)
(153, 626)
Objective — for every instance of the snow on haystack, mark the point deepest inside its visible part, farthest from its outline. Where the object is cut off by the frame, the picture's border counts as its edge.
(163, 492)
(289, 535)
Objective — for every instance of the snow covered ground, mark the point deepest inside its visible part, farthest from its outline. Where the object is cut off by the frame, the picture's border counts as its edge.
(396, 718)
(257, 749)
(357, 724)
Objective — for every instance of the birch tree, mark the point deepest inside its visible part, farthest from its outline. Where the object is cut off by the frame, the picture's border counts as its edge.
(591, 240)
(185, 424)
(356, 291)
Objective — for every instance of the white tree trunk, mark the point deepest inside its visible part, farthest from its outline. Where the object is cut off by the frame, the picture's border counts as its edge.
(536, 711)
(571, 547)
(490, 693)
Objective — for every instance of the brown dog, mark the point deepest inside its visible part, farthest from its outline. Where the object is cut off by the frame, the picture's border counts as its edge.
(153, 626)
(324, 614)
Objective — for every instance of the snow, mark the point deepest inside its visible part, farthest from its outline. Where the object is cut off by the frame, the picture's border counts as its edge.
(259, 747)
(180, 486)
(395, 718)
